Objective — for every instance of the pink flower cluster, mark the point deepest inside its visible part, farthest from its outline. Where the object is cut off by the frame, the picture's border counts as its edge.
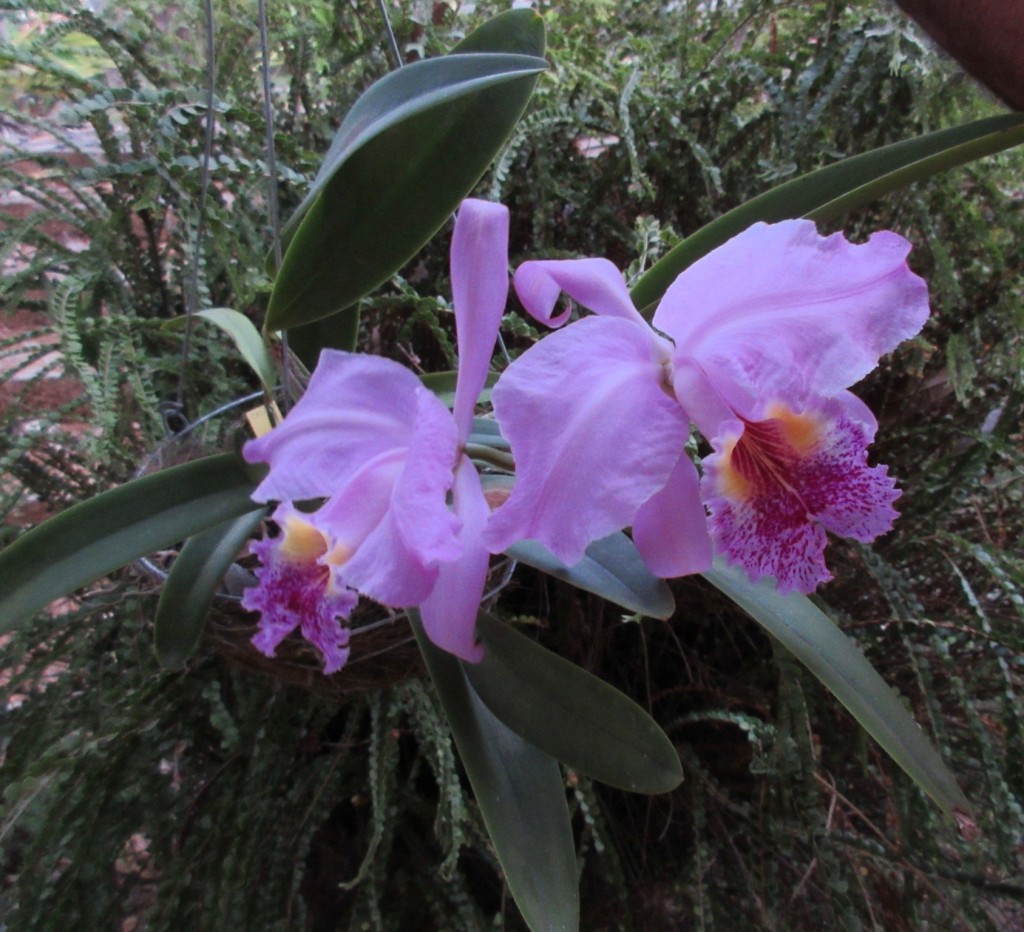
(755, 346)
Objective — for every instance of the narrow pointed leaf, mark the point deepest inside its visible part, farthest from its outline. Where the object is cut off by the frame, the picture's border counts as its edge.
(247, 340)
(571, 714)
(612, 568)
(838, 662)
(409, 151)
(192, 584)
(96, 537)
(244, 335)
(521, 796)
(836, 189)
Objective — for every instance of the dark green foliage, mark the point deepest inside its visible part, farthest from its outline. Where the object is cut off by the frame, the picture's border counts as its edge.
(255, 800)
(217, 799)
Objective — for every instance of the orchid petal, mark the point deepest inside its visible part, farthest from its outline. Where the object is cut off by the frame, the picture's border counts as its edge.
(396, 563)
(356, 408)
(773, 487)
(349, 516)
(594, 283)
(846, 495)
(420, 495)
(593, 431)
(769, 532)
(780, 307)
(479, 270)
(856, 410)
(670, 529)
(294, 590)
(700, 397)
(449, 612)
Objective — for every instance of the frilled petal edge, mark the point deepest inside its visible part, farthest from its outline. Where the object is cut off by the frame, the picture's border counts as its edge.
(774, 487)
(294, 590)
(780, 308)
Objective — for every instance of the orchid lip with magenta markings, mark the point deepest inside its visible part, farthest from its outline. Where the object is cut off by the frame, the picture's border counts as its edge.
(756, 345)
(385, 454)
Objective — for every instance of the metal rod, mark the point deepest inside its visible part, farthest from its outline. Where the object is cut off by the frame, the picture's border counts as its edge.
(192, 291)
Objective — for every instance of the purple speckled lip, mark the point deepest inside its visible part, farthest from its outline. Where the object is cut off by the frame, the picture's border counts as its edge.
(753, 344)
(386, 454)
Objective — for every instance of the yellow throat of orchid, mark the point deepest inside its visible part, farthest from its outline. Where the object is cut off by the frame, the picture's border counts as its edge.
(767, 450)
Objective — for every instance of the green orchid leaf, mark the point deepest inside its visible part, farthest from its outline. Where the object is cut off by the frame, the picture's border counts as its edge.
(520, 793)
(339, 331)
(832, 191)
(247, 340)
(244, 335)
(424, 85)
(408, 152)
(612, 568)
(571, 714)
(192, 584)
(517, 32)
(837, 661)
(97, 536)
(487, 433)
(442, 384)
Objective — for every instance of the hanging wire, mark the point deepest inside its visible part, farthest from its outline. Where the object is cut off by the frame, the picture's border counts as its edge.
(273, 208)
(176, 409)
(504, 349)
(392, 41)
(268, 122)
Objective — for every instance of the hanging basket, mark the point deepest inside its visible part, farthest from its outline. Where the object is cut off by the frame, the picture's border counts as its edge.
(383, 651)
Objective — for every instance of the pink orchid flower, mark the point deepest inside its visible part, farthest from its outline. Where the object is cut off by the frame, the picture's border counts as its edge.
(755, 344)
(385, 453)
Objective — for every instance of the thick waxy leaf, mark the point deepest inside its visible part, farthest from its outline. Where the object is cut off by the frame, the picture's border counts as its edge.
(413, 89)
(572, 715)
(192, 584)
(836, 189)
(521, 796)
(442, 384)
(612, 566)
(409, 151)
(838, 662)
(340, 331)
(487, 433)
(518, 32)
(612, 569)
(95, 537)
